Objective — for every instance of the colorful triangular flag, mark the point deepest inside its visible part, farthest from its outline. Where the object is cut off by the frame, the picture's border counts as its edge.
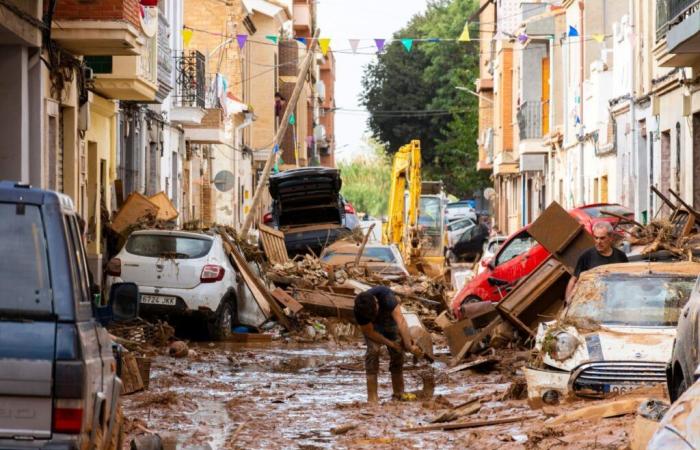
(573, 32)
(433, 39)
(380, 44)
(464, 37)
(241, 38)
(276, 148)
(522, 38)
(408, 44)
(324, 43)
(353, 44)
(186, 36)
(292, 119)
(271, 37)
(301, 39)
(599, 38)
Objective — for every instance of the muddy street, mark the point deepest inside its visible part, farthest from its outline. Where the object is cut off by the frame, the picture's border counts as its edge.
(288, 395)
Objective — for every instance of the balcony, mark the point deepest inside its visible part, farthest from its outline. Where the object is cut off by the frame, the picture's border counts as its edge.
(678, 21)
(190, 88)
(530, 120)
(303, 18)
(15, 30)
(98, 27)
(133, 78)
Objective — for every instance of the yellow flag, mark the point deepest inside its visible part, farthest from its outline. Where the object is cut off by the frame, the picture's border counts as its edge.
(464, 37)
(324, 43)
(186, 36)
(599, 38)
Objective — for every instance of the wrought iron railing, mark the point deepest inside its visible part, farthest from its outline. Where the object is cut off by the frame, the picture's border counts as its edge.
(530, 120)
(661, 19)
(671, 12)
(190, 81)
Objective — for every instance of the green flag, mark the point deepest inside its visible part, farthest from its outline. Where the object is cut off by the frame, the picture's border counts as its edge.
(292, 119)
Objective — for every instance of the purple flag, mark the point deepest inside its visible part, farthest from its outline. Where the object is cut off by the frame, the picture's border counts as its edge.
(380, 44)
(242, 38)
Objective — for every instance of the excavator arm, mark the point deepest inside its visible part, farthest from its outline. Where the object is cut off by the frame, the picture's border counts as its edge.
(404, 196)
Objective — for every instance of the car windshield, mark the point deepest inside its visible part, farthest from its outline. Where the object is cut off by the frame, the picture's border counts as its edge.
(459, 224)
(616, 299)
(24, 269)
(165, 246)
(383, 254)
(596, 212)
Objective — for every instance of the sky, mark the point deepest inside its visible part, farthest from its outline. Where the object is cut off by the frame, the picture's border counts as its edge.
(341, 20)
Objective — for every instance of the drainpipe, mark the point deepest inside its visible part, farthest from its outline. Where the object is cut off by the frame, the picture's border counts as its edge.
(581, 75)
(633, 118)
(237, 141)
(550, 170)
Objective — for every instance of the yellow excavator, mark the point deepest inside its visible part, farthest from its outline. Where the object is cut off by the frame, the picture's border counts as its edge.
(416, 223)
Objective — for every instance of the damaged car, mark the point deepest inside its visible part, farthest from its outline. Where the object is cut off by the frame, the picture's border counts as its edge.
(679, 427)
(685, 358)
(616, 332)
(382, 261)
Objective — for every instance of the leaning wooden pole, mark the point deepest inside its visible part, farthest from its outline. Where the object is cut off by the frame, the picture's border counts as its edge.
(262, 182)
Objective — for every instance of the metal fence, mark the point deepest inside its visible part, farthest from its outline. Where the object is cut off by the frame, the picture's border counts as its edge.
(669, 12)
(190, 82)
(530, 120)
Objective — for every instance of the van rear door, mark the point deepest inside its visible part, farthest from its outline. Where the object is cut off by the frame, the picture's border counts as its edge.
(27, 325)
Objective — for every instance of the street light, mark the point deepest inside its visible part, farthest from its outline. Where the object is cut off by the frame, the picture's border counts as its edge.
(465, 89)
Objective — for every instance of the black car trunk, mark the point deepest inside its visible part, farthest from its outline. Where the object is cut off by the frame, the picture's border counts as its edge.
(306, 196)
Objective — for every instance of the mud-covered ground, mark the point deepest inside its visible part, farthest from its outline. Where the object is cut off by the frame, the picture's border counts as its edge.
(288, 395)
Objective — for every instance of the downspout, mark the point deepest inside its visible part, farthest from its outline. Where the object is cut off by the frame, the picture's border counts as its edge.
(633, 119)
(565, 70)
(237, 145)
(582, 199)
(551, 170)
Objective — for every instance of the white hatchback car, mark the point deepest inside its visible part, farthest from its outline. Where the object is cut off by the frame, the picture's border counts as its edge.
(185, 274)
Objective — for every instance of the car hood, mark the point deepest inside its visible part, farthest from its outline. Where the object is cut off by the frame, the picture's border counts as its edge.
(612, 343)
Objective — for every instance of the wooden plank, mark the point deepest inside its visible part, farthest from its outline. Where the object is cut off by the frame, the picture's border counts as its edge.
(262, 296)
(600, 411)
(273, 244)
(130, 374)
(472, 424)
(135, 208)
(287, 300)
(468, 345)
(464, 409)
(326, 304)
(561, 235)
(472, 364)
(167, 211)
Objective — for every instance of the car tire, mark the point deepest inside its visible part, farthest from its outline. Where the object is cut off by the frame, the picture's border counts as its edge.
(221, 327)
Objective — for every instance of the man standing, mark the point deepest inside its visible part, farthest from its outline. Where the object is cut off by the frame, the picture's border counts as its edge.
(603, 253)
(378, 313)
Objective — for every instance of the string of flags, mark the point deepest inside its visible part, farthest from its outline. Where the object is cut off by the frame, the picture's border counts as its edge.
(381, 44)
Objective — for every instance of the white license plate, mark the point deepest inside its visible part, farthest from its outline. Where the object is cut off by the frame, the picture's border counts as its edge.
(621, 388)
(158, 300)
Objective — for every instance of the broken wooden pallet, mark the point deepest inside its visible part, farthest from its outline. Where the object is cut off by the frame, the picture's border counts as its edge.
(273, 244)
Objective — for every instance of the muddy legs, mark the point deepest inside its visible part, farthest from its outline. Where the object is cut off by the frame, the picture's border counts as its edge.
(372, 389)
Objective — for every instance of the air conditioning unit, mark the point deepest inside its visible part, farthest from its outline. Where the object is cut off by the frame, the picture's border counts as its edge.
(321, 90)
(319, 133)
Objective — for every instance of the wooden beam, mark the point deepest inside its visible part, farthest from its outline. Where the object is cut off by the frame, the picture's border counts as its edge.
(472, 424)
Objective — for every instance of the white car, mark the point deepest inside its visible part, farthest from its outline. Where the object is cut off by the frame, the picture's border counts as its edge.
(616, 333)
(490, 248)
(185, 274)
(457, 228)
(459, 210)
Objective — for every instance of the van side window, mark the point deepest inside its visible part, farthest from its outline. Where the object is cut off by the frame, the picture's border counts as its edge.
(81, 288)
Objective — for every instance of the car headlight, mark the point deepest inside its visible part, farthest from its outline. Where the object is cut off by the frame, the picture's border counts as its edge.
(565, 346)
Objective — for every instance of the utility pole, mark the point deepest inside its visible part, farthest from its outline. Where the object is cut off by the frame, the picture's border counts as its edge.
(262, 182)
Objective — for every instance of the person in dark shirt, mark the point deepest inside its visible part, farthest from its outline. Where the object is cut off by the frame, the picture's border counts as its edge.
(379, 316)
(603, 253)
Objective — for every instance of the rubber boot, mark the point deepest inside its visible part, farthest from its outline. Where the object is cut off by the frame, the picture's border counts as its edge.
(397, 384)
(372, 389)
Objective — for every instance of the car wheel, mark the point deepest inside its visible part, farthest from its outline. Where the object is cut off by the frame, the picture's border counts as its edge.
(220, 327)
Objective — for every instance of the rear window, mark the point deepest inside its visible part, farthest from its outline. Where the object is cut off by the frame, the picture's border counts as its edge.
(24, 268)
(164, 246)
(596, 212)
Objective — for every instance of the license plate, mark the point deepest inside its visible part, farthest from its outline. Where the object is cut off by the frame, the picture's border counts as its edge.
(621, 388)
(158, 300)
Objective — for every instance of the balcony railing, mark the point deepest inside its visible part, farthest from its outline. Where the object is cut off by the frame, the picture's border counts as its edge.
(190, 81)
(670, 12)
(530, 120)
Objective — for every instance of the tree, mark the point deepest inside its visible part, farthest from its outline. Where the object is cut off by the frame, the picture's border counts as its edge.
(424, 79)
(366, 181)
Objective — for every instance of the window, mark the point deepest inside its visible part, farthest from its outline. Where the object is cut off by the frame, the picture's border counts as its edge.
(517, 246)
(459, 224)
(24, 269)
(166, 246)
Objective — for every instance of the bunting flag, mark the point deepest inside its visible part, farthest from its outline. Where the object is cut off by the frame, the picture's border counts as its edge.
(324, 43)
(408, 44)
(271, 37)
(353, 44)
(599, 38)
(433, 40)
(186, 36)
(292, 119)
(464, 37)
(242, 39)
(380, 44)
(573, 32)
(522, 38)
(301, 39)
(276, 148)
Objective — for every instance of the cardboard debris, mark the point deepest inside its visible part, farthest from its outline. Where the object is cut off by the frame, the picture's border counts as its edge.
(137, 207)
(130, 374)
(166, 210)
(478, 316)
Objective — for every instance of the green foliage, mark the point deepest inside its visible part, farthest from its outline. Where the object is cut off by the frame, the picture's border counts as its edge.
(366, 182)
(425, 79)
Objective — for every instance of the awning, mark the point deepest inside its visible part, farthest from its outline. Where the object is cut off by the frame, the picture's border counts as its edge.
(269, 9)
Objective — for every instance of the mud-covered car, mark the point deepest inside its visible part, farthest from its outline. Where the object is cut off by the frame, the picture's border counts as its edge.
(680, 427)
(382, 261)
(616, 332)
(685, 358)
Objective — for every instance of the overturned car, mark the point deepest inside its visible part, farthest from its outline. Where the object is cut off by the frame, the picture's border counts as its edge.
(616, 332)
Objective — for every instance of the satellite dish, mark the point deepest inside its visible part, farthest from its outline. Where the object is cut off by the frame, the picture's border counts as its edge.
(224, 181)
(489, 193)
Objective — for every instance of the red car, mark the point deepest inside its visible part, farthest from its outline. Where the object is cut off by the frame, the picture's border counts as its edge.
(519, 255)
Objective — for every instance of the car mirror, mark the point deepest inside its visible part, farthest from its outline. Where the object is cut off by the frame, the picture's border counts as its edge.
(124, 299)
